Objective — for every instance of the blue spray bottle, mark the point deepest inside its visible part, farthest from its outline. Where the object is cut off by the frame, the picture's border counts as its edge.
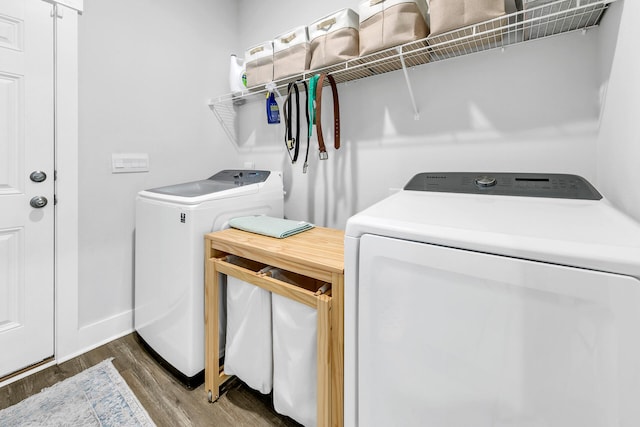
(273, 111)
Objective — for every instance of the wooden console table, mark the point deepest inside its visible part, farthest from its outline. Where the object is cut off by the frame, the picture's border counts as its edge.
(317, 254)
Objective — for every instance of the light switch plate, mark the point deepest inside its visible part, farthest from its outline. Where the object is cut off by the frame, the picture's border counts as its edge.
(129, 162)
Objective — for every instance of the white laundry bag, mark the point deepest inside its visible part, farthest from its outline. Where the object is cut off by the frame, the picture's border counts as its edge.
(248, 352)
(295, 372)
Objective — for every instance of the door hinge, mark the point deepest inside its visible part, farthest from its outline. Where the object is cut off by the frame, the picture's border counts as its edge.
(55, 199)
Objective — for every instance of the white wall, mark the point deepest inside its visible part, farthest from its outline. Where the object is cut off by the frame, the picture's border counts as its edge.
(534, 108)
(619, 139)
(147, 69)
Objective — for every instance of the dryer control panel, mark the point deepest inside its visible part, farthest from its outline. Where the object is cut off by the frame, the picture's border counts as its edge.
(560, 186)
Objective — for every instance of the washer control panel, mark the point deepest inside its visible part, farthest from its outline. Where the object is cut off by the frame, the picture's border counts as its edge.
(240, 176)
(561, 186)
(221, 181)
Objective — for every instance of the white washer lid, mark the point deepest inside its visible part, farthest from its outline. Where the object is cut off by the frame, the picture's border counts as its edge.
(224, 184)
(583, 233)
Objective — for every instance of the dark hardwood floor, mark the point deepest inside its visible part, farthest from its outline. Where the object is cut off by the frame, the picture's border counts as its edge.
(166, 400)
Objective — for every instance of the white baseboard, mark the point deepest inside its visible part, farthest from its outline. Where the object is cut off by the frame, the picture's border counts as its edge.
(101, 332)
(89, 337)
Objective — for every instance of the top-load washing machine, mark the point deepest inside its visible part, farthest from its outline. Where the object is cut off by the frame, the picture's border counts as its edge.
(492, 300)
(169, 259)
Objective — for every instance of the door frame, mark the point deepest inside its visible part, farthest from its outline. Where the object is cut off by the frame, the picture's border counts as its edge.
(66, 163)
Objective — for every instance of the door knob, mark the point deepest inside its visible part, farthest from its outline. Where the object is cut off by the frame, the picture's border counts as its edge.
(38, 202)
(38, 176)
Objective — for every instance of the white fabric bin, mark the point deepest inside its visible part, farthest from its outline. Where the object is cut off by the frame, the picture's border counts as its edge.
(295, 372)
(449, 15)
(258, 62)
(249, 351)
(334, 38)
(291, 53)
(388, 23)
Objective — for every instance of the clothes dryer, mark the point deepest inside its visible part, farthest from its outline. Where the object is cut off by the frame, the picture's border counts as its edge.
(169, 259)
(492, 300)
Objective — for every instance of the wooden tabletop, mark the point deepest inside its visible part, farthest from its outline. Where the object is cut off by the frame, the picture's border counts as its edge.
(317, 250)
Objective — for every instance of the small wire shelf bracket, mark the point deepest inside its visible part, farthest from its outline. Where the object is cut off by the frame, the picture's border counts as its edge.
(546, 20)
(416, 113)
(226, 115)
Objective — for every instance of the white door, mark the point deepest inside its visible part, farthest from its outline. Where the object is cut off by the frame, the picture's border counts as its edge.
(26, 146)
(455, 338)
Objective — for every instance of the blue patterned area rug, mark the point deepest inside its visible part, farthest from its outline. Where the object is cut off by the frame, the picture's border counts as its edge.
(97, 396)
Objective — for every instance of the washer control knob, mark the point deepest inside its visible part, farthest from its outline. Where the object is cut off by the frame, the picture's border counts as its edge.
(485, 181)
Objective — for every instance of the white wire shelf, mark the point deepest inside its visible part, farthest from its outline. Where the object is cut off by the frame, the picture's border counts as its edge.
(547, 20)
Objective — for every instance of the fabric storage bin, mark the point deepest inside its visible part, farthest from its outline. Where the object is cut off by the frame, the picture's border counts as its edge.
(258, 62)
(334, 38)
(447, 15)
(248, 352)
(388, 23)
(291, 53)
(295, 380)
